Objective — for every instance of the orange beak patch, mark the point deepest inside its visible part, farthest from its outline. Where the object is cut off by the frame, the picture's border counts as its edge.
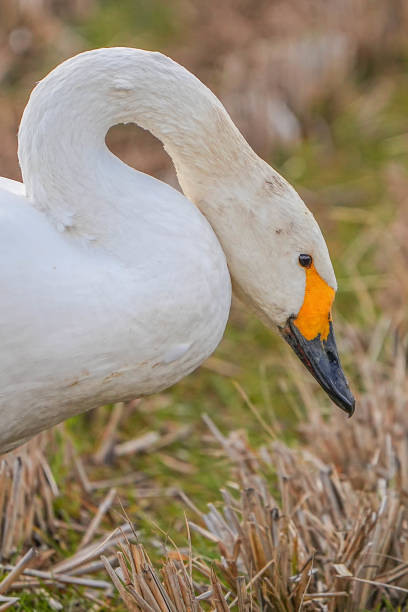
(315, 315)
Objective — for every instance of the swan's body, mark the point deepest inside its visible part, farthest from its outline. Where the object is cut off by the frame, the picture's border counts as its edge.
(113, 284)
(91, 326)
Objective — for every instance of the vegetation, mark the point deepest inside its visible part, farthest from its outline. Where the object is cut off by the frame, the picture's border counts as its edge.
(321, 91)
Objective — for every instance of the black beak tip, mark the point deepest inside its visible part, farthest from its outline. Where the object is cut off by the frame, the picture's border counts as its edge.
(352, 408)
(342, 397)
(348, 405)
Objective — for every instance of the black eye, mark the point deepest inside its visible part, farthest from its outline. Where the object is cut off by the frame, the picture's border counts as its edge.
(305, 260)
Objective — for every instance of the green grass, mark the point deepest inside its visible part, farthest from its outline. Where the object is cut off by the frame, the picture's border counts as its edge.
(138, 23)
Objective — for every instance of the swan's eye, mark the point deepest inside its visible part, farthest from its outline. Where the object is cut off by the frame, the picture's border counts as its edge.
(305, 260)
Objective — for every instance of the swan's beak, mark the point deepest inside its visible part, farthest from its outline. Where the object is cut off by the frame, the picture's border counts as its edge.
(322, 360)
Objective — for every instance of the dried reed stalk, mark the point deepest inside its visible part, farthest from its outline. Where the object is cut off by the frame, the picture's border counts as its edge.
(27, 489)
(143, 590)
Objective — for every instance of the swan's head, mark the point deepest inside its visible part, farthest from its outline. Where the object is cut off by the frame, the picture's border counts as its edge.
(284, 272)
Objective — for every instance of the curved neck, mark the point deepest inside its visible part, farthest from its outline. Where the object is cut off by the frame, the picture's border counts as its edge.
(68, 171)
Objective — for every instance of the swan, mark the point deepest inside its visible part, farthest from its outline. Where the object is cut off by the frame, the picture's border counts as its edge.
(115, 285)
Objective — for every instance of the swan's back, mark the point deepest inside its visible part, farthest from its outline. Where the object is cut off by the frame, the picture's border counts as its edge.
(10, 186)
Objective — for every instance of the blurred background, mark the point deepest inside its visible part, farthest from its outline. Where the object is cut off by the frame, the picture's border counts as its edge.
(319, 88)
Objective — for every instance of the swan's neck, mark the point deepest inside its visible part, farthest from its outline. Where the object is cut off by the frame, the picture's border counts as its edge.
(67, 169)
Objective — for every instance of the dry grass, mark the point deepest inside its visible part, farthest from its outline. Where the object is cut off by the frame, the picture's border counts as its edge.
(27, 517)
(27, 490)
(322, 527)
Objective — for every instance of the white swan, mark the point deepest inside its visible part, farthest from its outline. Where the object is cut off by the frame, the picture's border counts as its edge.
(113, 285)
